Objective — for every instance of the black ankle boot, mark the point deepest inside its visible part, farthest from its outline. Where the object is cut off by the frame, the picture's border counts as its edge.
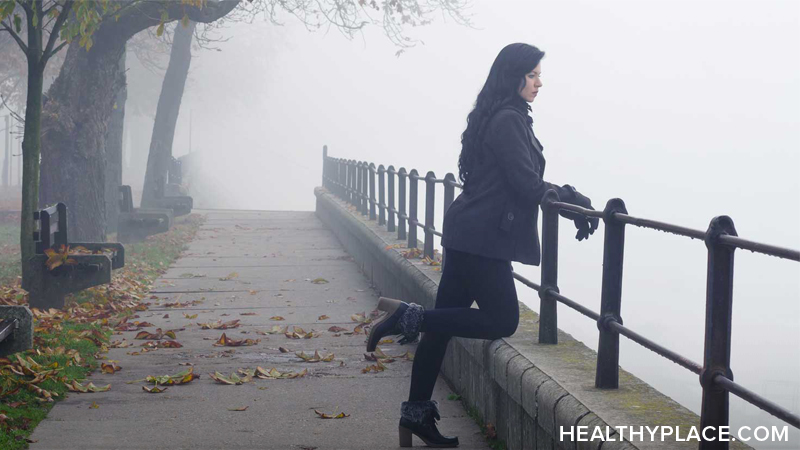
(401, 318)
(420, 418)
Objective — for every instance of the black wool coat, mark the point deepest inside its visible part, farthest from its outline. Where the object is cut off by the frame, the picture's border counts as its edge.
(496, 216)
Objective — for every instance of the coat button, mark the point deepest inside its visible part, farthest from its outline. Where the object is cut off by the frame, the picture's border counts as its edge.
(510, 216)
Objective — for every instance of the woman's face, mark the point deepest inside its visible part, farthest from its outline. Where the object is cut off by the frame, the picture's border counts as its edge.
(532, 84)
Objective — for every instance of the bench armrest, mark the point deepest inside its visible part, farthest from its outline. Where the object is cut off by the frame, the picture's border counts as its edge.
(118, 261)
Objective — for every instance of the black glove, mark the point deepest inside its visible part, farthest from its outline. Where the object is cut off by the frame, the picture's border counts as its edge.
(585, 225)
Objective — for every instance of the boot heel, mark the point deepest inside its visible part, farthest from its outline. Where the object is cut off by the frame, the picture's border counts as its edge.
(387, 304)
(405, 437)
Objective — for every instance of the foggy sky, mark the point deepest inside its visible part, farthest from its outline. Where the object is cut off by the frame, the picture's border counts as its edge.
(685, 110)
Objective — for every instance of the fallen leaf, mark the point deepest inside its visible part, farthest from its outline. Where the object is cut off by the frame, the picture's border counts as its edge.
(248, 314)
(379, 367)
(323, 317)
(275, 374)
(316, 358)
(241, 408)
(276, 318)
(491, 432)
(341, 415)
(283, 350)
(225, 341)
(219, 325)
(154, 389)
(299, 333)
(110, 368)
(319, 281)
(222, 379)
(75, 386)
(336, 329)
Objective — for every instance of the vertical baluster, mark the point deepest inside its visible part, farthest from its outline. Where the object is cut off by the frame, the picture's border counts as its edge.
(402, 217)
(381, 195)
(364, 189)
(371, 191)
(607, 374)
(548, 312)
(343, 177)
(390, 208)
(334, 169)
(413, 178)
(449, 191)
(354, 182)
(449, 195)
(430, 204)
(351, 183)
(339, 178)
(325, 169)
(360, 187)
(719, 308)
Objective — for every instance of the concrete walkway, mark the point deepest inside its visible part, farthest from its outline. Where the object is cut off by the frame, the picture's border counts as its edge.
(270, 258)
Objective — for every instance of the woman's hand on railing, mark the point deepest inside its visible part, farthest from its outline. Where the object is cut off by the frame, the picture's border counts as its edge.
(585, 225)
(582, 223)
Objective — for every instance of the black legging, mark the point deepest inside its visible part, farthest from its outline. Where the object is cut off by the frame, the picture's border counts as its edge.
(465, 277)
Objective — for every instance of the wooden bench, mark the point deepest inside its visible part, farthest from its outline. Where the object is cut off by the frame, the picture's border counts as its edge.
(179, 204)
(91, 267)
(16, 329)
(135, 224)
(175, 171)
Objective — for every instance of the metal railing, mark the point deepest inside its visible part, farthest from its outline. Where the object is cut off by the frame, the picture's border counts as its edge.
(354, 181)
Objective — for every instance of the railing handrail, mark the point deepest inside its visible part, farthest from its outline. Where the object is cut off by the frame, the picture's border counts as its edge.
(721, 240)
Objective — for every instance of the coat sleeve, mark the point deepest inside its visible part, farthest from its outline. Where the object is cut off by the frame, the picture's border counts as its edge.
(507, 137)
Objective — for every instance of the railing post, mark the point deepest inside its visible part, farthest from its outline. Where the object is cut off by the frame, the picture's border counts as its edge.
(717, 350)
(340, 175)
(449, 191)
(607, 374)
(371, 169)
(548, 311)
(357, 185)
(364, 187)
(412, 208)
(449, 196)
(325, 167)
(381, 195)
(351, 182)
(358, 174)
(402, 217)
(390, 208)
(430, 205)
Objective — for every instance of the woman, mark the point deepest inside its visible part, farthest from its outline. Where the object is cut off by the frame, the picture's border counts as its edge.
(492, 222)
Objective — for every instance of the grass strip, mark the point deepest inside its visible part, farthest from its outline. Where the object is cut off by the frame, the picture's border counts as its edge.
(69, 344)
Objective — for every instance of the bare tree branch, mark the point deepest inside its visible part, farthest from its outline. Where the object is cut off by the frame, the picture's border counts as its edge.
(54, 32)
(16, 38)
(13, 113)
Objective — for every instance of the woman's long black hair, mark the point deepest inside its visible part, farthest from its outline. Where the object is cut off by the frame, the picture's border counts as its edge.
(506, 77)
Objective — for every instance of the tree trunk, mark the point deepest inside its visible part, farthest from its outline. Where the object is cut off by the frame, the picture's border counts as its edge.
(114, 142)
(169, 105)
(80, 101)
(76, 118)
(31, 145)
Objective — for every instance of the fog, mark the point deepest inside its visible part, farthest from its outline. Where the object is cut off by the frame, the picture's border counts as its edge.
(685, 110)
